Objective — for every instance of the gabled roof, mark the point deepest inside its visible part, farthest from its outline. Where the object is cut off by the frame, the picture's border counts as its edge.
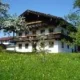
(40, 13)
(54, 19)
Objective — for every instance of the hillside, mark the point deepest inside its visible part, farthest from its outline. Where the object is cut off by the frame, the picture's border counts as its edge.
(39, 66)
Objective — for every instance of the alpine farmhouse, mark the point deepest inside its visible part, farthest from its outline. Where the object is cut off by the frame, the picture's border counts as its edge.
(55, 29)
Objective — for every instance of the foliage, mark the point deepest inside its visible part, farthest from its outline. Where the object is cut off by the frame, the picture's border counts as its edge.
(42, 43)
(3, 12)
(73, 18)
(77, 4)
(77, 37)
(15, 24)
(2, 49)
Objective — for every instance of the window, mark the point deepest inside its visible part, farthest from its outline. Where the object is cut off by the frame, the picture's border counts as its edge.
(20, 46)
(72, 50)
(42, 44)
(26, 32)
(51, 30)
(33, 32)
(51, 43)
(62, 45)
(20, 34)
(62, 31)
(67, 33)
(42, 31)
(68, 46)
(26, 45)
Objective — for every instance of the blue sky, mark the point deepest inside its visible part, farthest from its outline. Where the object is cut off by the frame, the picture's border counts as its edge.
(54, 7)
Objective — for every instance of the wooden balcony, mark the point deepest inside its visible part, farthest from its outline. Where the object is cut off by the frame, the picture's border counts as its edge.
(51, 36)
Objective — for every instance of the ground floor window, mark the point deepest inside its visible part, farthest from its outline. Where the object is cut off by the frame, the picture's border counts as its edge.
(20, 46)
(62, 45)
(26, 45)
(51, 43)
(68, 46)
(42, 44)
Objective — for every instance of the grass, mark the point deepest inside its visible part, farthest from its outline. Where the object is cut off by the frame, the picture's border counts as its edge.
(15, 66)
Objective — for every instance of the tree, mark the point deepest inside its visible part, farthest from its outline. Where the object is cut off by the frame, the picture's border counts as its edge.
(42, 43)
(10, 23)
(74, 18)
(3, 12)
(76, 4)
(15, 24)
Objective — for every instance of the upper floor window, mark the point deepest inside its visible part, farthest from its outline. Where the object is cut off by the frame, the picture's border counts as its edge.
(26, 45)
(20, 34)
(33, 32)
(42, 31)
(26, 32)
(51, 30)
(20, 46)
(62, 31)
(51, 43)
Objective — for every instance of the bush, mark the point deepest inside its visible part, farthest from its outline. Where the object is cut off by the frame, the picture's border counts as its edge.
(2, 49)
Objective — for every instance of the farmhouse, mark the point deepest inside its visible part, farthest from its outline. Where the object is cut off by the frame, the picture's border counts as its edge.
(55, 31)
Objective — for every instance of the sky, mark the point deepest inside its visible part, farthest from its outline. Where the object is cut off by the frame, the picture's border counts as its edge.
(54, 7)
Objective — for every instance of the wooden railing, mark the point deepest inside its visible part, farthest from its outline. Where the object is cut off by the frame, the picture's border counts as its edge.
(48, 36)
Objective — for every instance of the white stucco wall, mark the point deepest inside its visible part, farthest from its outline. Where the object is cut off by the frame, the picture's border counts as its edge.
(57, 47)
(57, 44)
(23, 49)
(58, 29)
(53, 49)
(65, 49)
(55, 29)
(6, 42)
(10, 48)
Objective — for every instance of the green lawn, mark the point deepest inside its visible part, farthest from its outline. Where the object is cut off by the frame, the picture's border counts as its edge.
(39, 67)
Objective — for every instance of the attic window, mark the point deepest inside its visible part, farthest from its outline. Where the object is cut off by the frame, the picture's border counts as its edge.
(51, 19)
(38, 15)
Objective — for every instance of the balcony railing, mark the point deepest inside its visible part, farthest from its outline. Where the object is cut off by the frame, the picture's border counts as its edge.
(48, 37)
